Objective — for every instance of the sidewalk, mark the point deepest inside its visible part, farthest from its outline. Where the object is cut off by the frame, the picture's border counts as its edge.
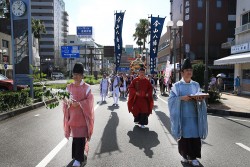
(231, 105)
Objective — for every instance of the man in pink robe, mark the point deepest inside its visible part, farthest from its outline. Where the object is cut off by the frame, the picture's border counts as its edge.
(79, 115)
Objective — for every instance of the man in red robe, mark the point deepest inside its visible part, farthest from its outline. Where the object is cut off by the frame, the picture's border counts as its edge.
(140, 101)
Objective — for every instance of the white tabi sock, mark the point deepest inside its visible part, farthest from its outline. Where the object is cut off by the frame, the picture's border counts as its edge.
(77, 163)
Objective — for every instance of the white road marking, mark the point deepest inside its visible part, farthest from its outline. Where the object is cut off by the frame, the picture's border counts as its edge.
(37, 115)
(162, 99)
(243, 146)
(53, 153)
(242, 120)
(239, 120)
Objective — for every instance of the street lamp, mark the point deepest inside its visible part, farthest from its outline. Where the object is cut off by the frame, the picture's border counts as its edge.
(175, 31)
(206, 47)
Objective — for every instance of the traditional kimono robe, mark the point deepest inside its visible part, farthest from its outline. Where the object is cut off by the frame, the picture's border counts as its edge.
(104, 83)
(140, 104)
(188, 118)
(79, 121)
(116, 91)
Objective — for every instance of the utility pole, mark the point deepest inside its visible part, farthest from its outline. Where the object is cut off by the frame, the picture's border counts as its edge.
(206, 47)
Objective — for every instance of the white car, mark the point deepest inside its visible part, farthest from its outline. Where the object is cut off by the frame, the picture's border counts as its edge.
(57, 75)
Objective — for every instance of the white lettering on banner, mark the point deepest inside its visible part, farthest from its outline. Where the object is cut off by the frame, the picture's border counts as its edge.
(117, 39)
(156, 23)
(118, 46)
(117, 26)
(155, 43)
(117, 32)
(187, 10)
(119, 19)
(155, 36)
(154, 49)
(155, 31)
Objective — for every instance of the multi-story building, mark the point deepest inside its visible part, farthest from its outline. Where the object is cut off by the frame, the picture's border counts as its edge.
(221, 27)
(163, 51)
(91, 54)
(240, 49)
(5, 49)
(52, 14)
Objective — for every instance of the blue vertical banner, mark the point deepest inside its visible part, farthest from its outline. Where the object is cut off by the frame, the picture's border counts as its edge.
(155, 35)
(118, 37)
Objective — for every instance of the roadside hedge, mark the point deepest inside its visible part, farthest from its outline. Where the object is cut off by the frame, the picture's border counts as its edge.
(12, 100)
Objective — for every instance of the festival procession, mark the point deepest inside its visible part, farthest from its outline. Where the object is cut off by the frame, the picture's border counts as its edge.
(124, 84)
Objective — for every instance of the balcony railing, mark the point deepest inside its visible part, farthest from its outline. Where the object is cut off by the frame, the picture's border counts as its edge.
(242, 29)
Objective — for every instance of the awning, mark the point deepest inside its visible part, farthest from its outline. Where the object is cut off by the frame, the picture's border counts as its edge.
(234, 59)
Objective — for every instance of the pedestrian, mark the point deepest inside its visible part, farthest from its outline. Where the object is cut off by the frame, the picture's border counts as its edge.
(188, 116)
(170, 84)
(140, 101)
(104, 85)
(79, 115)
(237, 85)
(212, 83)
(161, 83)
(123, 87)
(219, 83)
(116, 92)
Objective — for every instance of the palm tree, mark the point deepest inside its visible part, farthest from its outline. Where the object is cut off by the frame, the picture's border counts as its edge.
(38, 28)
(141, 32)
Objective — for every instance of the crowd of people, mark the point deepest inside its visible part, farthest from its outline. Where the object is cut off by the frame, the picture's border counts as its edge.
(187, 126)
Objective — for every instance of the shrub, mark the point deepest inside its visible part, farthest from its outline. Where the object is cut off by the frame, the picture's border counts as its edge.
(214, 96)
(12, 100)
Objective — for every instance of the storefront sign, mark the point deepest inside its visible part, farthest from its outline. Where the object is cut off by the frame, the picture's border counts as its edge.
(240, 48)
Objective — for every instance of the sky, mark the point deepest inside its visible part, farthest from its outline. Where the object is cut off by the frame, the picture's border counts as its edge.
(100, 15)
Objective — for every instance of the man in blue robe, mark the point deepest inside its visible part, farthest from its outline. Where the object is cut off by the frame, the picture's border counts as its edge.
(188, 115)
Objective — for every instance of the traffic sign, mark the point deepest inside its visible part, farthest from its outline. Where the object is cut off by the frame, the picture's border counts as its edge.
(5, 66)
(70, 51)
(84, 30)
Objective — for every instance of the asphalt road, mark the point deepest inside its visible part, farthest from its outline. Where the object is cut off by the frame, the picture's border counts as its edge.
(37, 137)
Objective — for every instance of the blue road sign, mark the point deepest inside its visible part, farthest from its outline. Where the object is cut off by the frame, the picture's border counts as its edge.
(123, 69)
(5, 66)
(86, 30)
(70, 51)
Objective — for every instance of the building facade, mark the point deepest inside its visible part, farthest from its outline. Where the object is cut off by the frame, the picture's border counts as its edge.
(240, 49)
(193, 14)
(52, 14)
(164, 53)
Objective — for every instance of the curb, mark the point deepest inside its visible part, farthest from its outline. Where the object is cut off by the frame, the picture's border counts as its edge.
(15, 112)
(228, 113)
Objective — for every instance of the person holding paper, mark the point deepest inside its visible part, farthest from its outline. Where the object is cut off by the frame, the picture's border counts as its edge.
(188, 115)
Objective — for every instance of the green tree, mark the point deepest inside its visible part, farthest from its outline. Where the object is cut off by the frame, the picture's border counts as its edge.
(38, 28)
(4, 9)
(141, 32)
(198, 73)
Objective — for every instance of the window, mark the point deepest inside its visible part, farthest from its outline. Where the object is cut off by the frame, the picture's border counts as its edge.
(199, 26)
(218, 3)
(245, 18)
(246, 74)
(200, 3)
(218, 26)
(71, 42)
(5, 43)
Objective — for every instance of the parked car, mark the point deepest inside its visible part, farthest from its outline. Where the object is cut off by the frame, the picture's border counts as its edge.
(57, 75)
(7, 84)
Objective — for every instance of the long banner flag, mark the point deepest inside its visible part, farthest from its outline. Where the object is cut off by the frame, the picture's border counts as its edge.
(155, 35)
(118, 37)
